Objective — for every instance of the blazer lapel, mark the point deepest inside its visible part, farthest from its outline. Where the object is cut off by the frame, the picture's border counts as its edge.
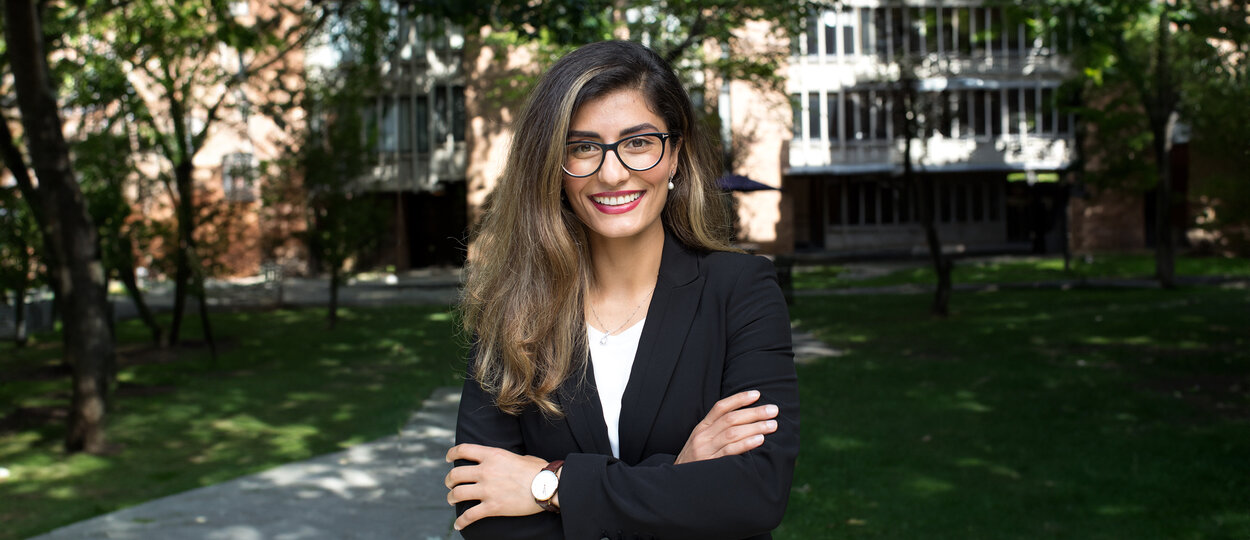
(669, 317)
(583, 413)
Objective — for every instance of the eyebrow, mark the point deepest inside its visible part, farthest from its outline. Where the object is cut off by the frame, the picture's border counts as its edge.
(645, 126)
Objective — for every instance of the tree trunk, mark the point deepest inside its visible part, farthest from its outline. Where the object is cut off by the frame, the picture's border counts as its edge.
(71, 245)
(126, 273)
(1163, 118)
(941, 263)
(205, 323)
(924, 191)
(182, 258)
(19, 316)
(335, 279)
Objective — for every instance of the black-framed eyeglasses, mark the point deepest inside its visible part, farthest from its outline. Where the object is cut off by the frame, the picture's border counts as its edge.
(636, 152)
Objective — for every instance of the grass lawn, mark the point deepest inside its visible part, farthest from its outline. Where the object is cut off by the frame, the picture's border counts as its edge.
(1025, 270)
(1027, 414)
(1069, 414)
(284, 389)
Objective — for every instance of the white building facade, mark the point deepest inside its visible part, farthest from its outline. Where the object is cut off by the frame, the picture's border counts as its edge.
(994, 136)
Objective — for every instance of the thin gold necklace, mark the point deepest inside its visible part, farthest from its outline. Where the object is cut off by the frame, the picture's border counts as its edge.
(604, 340)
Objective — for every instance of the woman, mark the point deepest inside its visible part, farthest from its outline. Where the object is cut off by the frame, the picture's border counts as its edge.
(631, 374)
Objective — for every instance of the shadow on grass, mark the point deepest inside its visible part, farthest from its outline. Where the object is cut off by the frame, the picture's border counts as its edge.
(283, 389)
(1027, 414)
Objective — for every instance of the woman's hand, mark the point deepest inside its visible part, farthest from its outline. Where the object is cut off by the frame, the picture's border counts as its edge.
(500, 480)
(730, 429)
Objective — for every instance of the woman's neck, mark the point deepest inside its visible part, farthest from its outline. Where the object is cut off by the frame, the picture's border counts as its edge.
(626, 266)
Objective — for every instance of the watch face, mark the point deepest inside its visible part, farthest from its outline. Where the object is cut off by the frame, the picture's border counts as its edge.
(544, 485)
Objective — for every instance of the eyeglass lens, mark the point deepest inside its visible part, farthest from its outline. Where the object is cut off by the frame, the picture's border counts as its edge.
(638, 153)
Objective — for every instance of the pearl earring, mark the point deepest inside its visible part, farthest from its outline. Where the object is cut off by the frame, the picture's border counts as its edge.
(670, 185)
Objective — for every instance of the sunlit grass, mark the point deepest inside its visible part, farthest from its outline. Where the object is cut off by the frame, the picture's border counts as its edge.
(283, 389)
(1117, 414)
(1024, 270)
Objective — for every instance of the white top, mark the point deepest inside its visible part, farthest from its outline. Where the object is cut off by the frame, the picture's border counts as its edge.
(612, 362)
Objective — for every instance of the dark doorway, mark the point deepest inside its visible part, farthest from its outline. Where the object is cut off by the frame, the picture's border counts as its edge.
(437, 226)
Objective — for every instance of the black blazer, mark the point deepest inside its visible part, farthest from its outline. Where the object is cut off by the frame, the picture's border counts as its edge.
(717, 325)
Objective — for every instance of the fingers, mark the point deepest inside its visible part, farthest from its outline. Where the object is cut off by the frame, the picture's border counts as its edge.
(469, 516)
(731, 403)
(464, 492)
(464, 474)
(742, 446)
(753, 414)
(470, 452)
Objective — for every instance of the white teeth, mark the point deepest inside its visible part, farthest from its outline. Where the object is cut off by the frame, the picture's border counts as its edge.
(618, 200)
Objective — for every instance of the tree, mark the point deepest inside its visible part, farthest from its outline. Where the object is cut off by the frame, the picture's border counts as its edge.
(71, 247)
(915, 110)
(184, 65)
(1131, 57)
(19, 236)
(104, 163)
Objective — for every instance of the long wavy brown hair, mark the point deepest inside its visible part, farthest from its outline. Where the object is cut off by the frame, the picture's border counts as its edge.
(526, 283)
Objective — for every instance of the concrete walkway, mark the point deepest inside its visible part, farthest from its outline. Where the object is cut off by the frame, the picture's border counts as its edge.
(390, 488)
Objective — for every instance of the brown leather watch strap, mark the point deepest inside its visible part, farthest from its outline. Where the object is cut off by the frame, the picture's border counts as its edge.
(554, 467)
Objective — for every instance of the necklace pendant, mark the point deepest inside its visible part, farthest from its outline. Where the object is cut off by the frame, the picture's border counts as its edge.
(603, 340)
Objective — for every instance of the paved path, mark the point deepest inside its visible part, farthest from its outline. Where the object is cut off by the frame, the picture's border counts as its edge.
(390, 488)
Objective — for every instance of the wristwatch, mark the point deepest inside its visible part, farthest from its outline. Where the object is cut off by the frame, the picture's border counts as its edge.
(545, 485)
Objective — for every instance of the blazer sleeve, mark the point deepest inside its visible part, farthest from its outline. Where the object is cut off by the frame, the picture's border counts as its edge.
(724, 498)
(479, 421)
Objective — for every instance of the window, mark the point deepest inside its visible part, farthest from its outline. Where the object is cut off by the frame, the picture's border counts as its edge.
(388, 125)
(978, 201)
(1030, 110)
(904, 205)
(978, 114)
(996, 31)
(853, 203)
(423, 124)
(831, 34)
(947, 34)
(831, 105)
(898, 30)
(238, 175)
(946, 113)
(945, 194)
(889, 198)
(961, 203)
(881, 31)
(915, 30)
(995, 198)
(813, 115)
(851, 123)
(964, 30)
(813, 47)
(834, 200)
(405, 124)
(1048, 111)
(867, 31)
(796, 104)
(442, 116)
(458, 118)
(994, 101)
(880, 116)
(870, 190)
(963, 112)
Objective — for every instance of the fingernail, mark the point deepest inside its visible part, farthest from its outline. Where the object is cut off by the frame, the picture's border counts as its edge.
(770, 410)
(757, 439)
(754, 393)
(771, 424)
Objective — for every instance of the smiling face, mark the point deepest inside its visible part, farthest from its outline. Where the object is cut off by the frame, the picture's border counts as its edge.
(615, 201)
